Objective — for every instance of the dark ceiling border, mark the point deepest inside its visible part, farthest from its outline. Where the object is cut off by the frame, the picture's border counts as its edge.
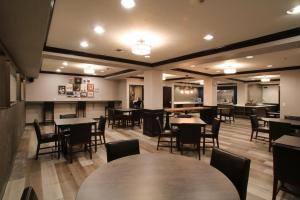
(119, 73)
(179, 78)
(53, 2)
(191, 72)
(96, 56)
(137, 77)
(246, 43)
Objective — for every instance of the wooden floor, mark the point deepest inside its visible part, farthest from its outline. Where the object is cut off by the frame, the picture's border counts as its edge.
(57, 179)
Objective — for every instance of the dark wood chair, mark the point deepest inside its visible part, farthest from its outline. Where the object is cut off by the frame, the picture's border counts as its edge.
(256, 128)
(45, 138)
(235, 167)
(29, 194)
(286, 165)
(80, 134)
(99, 133)
(67, 116)
(165, 134)
(122, 148)
(228, 114)
(189, 134)
(135, 119)
(114, 118)
(278, 129)
(213, 134)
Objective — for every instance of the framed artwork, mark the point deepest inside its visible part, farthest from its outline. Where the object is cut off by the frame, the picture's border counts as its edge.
(77, 94)
(70, 94)
(69, 87)
(76, 87)
(83, 94)
(77, 80)
(61, 90)
(90, 87)
(90, 94)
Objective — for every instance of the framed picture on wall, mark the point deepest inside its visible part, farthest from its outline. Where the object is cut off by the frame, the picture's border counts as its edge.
(90, 94)
(90, 87)
(69, 87)
(83, 94)
(76, 87)
(78, 80)
(61, 90)
(76, 94)
(70, 94)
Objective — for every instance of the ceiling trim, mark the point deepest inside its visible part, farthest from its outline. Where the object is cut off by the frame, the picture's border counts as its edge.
(119, 73)
(96, 56)
(238, 45)
(49, 21)
(179, 78)
(192, 72)
(137, 77)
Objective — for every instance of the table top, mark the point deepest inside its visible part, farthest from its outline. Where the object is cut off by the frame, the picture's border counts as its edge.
(192, 120)
(157, 176)
(125, 109)
(253, 106)
(290, 121)
(274, 113)
(73, 121)
(185, 109)
(290, 141)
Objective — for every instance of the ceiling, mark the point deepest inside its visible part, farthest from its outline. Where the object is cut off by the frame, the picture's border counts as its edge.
(51, 65)
(177, 33)
(176, 29)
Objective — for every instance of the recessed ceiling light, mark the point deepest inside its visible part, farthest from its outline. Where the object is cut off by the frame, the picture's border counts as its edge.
(208, 37)
(265, 79)
(99, 29)
(192, 66)
(102, 71)
(62, 67)
(58, 70)
(218, 71)
(147, 56)
(84, 44)
(65, 63)
(128, 4)
(230, 70)
(269, 66)
(294, 11)
(249, 57)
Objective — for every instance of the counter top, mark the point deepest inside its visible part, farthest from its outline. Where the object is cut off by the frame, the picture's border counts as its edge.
(186, 102)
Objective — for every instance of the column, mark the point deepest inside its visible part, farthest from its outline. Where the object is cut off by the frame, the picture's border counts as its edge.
(153, 102)
(210, 92)
(242, 93)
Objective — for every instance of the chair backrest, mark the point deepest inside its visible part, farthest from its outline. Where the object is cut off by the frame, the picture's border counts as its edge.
(101, 124)
(67, 116)
(37, 129)
(122, 148)
(235, 167)
(29, 194)
(189, 133)
(278, 129)
(137, 114)
(286, 164)
(160, 128)
(80, 134)
(254, 122)
(215, 128)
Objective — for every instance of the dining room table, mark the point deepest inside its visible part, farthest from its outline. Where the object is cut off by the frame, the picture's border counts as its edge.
(294, 123)
(157, 176)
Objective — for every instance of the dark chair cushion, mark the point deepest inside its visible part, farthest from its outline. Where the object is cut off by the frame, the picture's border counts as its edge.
(235, 167)
(49, 137)
(29, 194)
(119, 149)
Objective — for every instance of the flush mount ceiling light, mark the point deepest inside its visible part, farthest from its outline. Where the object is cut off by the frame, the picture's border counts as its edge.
(147, 56)
(141, 48)
(265, 79)
(249, 57)
(99, 29)
(208, 37)
(65, 63)
(84, 44)
(294, 11)
(89, 70)
(230, 70)
(58, 70)
(269, 66)
(128, 4)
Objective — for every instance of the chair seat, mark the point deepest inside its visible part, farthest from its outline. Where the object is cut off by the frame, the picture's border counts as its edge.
(263, 129)
(208, 134)
(49, 137)
(97, 132)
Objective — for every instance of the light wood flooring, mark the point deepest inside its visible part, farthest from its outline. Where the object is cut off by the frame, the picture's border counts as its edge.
(55, 179)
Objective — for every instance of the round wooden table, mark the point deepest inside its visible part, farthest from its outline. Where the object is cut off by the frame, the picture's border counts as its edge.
(159, 177)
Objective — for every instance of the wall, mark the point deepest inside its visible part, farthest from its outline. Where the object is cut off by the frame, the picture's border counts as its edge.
(45, 87)
(290, 93)
(242, 93)
(185, 97)
(11, 129)
(255, 93)
(270, 94)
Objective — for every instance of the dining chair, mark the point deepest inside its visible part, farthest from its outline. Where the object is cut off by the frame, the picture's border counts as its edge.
(213, 134)
(256, 128)
(44, 139)
(80, 134)
(67, 116)
(278, 129)
(99, 133)
(189, 134)
(235, 167)
(286, 165)
(29, 194)
(122, 148)
(165, 134)
(114, 118)
(229, 114)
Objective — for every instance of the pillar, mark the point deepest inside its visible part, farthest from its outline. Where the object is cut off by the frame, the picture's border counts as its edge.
(210, 92)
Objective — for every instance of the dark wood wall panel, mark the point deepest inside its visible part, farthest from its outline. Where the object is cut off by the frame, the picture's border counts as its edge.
(12, 123)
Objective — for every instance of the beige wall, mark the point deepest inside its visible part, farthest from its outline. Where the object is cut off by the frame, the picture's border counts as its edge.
(270, 94)
(185, 97)
(290, 93)
(255, 93)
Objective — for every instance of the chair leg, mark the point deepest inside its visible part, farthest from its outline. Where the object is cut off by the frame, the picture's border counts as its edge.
(104, 139)
(90, 150)
(270, 144)
(213, 140)
(256, 135)
(275, 186)
(199, 151)
(71, 154)
(37, 151)
(158, 143)
(217, 141)
(203, 145)
(171, 144)
(95, 143)
(251, 135)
